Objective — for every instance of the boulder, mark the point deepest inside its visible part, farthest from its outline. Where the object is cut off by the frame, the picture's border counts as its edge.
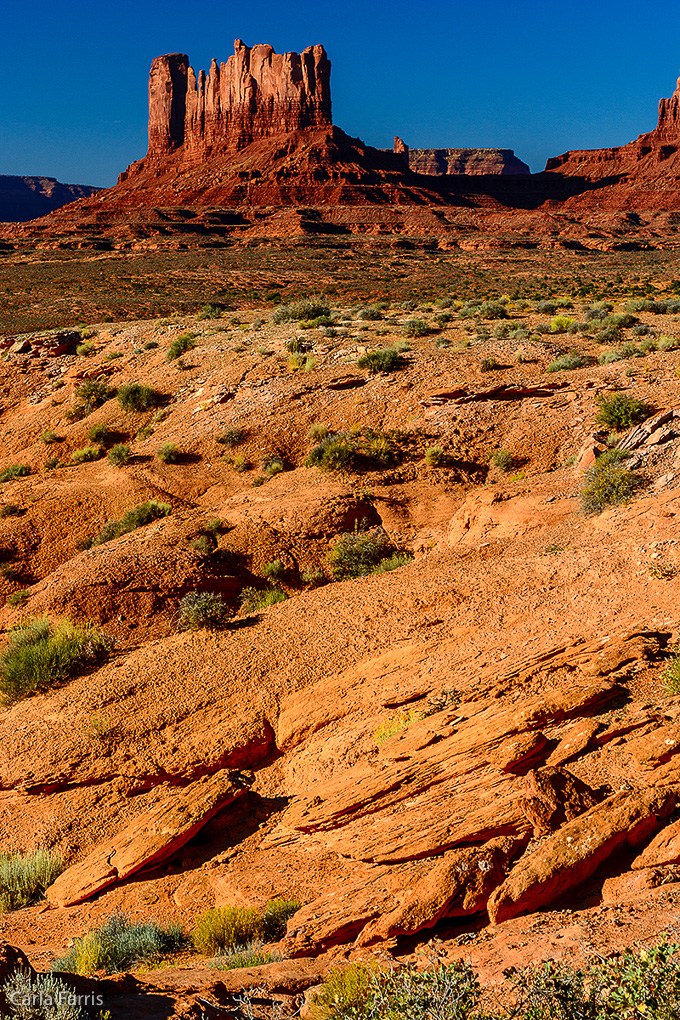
(152, 837)
(565, 860)
(553, 797)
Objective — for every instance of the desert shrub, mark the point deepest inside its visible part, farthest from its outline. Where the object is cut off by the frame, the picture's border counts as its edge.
(492, 310)
(369, 314)
(273, 465)
(17, 598)
(119, 455)
(667, 343)
(10, 510)
(99, 434)
(382, 359)
(120, 943)
(353, 451)
(241, 464)
(252, 600)
(275, 917)
(200, 609)
(488, 365)
(203, 545)
(274, 570)
(317, 433)
(434, 456)
(210, 311)
(416, 327)
(390, 727)
(93, 394)
(232, 437)
(223, 928)
(296, 362)
(318, 322)
(169, 453)
(14, 471)
(85, 454)
(138, 397)
(566, 362)
(24, 877)
(41, 997)
(180, 345)
(49, 437)
(310, 363)
(606, 484)
(356, 553)
(299, 311)
(608, 335)
(619, 411)
(622, 321)
(85, 349)
(561, 323)
(313, 576)
(298, 345)
(545, 307)
(42, 654)
(251, 955)
(670, 676)
(393, 562)
(140, 515)
(502, 459)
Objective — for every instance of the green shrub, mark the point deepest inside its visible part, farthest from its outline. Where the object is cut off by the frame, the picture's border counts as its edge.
(489, 365)
(210, 311)
(85, 349)
(250, 955)
(566, 362)
(180, 345)
(313, 577)
(24, 877)
(296, 362)
(143, 514)
(119, 455)
(492, 310)
(607, 484)
(620, 411)
(502, 459)
(14, 471)
(273, 465)
(670, 676)
(317, 433)
(416, 327)
(42, 997)
(99, 434)
(17, 598)
(252, 600)
(275, 917)
(93, 394)
(42, 654)
(369, 314)
(275, 570)
(346, 993)
(384, 359)
(398, 723)
(232, 437)
(393, 562)
(200, 609)
(169, 453)
(561, 323)
(223, 928)
(667, 343)
(302, 310)
(356, 553)
(119, 944)
(138, 397)
(434, 456)
(49, 437)
(85, 454)
(353, 451)
(10, 510)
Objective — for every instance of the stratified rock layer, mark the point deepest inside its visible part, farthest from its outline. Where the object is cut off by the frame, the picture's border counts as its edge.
(256, 94)
(441, 162)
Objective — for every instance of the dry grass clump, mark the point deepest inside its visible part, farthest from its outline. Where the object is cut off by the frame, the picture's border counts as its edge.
(24, 877)
(120, 943)
(221, 929)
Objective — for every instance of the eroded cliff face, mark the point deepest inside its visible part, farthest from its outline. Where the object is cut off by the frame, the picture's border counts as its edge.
(440, 162)
(256, 94)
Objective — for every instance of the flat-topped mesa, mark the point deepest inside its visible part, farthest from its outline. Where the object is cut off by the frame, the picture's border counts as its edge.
(256, 94)
(442, 162)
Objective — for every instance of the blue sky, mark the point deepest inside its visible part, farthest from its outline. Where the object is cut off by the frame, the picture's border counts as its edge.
(538, 77)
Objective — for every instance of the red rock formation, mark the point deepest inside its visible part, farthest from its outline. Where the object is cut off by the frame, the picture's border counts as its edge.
(257, 94)
(440, 162)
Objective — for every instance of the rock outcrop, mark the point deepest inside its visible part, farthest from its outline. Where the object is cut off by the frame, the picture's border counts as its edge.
(26, 198)
(441, 162)
(256, 94)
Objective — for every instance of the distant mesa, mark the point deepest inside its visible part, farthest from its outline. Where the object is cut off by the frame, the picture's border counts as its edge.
(25, 198)
(442, 162)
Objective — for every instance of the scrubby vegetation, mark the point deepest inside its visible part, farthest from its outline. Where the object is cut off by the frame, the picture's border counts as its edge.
(607, 483)
(41, 654)
(169, 453)
(85, 454)
(199, 609)
(140, 515)
(14, 471)
(354, 451)
(382, 359)
(119, 944)
(44, 997)
(120, 455)
(390, 727)
(619, 411)
(24, 877)
(358, 553)
(138, 397)
(252, 600)
(637, 983)
(180, 345)
(221, 929)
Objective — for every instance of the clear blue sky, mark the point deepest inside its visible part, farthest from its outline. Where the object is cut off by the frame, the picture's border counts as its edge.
(533, 75)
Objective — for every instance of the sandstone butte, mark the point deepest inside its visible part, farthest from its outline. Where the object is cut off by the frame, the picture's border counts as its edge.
(249, 149)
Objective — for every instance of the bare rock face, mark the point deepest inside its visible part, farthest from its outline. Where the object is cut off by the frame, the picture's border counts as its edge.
(441, 162)
(256, 94)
